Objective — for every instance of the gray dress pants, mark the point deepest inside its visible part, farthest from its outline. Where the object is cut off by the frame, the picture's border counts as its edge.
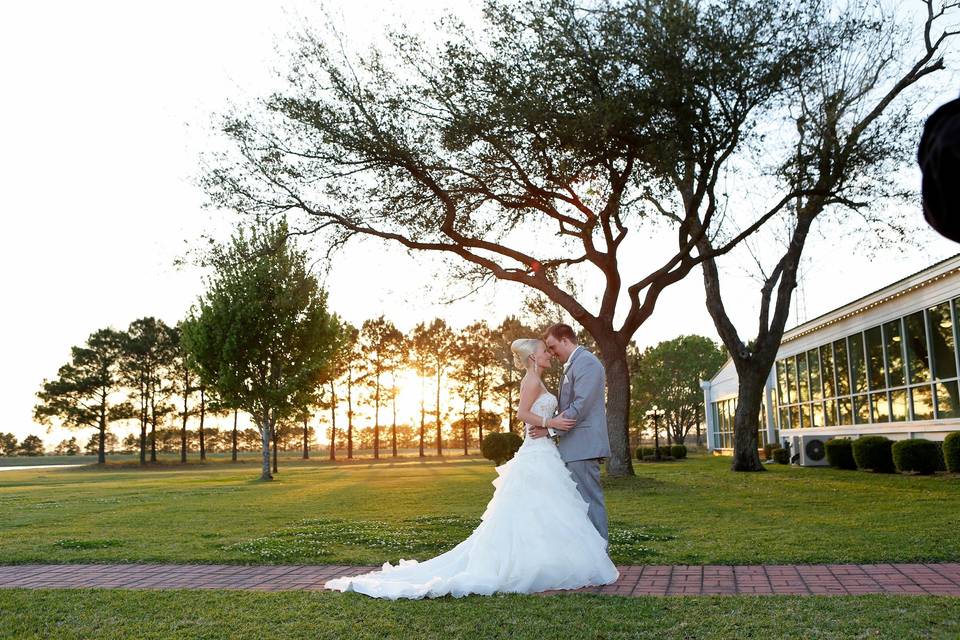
(586, 473)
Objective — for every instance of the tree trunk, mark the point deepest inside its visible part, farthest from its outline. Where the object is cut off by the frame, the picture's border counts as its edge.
(439, 438)
(183, 426)
(376, 423)
(153, 439)
(143, 437)
(143, 422)
(203, 409)
(423, 413)
(350, 416)
(480, 419)
(187, 390)
(466, 432)
(678, 435)
(273, 433)
(752, 382)
(394, 427)
(153, 430)
(101, 444)
(698, 425)
(618, 410)
(233, 446)
(333, 422)
(266, 430)
(306, 446)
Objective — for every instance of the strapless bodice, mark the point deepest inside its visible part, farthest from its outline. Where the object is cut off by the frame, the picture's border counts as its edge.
(545, 405)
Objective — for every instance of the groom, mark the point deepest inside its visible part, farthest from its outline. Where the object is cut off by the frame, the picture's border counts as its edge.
(580, 399)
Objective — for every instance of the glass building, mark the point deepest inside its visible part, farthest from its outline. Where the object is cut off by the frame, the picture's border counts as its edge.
(884, 364)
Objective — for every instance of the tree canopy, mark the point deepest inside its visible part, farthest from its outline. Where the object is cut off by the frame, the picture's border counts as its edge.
(261, 335)
(83, 395)
(668, 375)
(531, 148)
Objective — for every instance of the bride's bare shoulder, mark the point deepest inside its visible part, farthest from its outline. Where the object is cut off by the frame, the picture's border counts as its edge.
(528, 381)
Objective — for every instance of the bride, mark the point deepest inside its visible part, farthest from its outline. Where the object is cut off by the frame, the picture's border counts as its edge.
(534, 535)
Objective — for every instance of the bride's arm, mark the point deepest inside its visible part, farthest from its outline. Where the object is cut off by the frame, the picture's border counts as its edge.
(529, 392)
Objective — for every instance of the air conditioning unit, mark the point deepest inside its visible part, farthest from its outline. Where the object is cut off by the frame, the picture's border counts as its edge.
(810, 450)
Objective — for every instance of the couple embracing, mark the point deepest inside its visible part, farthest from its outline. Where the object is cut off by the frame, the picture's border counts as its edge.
(546, 525)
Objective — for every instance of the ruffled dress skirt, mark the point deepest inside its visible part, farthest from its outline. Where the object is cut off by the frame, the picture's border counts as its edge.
(534, 535)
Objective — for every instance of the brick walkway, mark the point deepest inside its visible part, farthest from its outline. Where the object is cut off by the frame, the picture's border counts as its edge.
(836, 579)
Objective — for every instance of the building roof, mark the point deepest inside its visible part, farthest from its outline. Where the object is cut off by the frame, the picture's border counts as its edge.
(881, 295)
(915, 280)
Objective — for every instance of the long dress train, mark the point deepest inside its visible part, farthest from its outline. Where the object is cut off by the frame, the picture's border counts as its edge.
(534, 535)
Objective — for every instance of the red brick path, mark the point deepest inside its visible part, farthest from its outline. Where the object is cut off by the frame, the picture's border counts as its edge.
(839, 579)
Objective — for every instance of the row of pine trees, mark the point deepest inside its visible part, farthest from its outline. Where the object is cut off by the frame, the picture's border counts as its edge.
(143, 375)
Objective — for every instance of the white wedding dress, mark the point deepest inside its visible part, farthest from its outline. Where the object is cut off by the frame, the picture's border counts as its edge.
(534, 535)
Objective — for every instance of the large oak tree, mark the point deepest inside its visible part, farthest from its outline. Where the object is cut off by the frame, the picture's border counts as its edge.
(845, 125)
(521, 151)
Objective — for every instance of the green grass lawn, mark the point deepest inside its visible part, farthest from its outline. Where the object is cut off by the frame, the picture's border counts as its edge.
(110, 615)
(690, 512)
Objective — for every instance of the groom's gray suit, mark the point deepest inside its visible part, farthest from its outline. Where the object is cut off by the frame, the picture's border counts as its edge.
(581, 398)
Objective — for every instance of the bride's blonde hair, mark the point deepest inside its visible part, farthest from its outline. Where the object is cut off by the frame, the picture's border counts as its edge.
(522, 349)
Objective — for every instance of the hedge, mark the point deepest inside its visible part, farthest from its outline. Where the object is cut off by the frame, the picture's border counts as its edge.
(918, 455)
(874, 453)
(781, 455)
(951, 452)
(840, 453)
(644, 452)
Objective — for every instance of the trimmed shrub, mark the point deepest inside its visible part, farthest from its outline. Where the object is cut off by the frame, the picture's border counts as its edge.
(678, 451)
(874, 453)
(665, 451)
(768, 450)
(840, 453)
(951, 452)
(915, 454)
(781, 455)
(644, 452)
(500, 447)
(941, 463)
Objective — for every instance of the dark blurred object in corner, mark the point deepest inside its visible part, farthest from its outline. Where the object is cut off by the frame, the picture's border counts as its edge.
(939, 158)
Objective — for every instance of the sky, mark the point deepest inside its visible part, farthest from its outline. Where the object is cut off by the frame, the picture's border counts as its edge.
(106, 109)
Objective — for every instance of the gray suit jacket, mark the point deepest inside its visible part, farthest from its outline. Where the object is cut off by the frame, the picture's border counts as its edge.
(581, 398)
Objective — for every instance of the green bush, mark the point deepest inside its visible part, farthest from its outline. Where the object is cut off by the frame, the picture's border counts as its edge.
(951, 452)
(874, 453)
(500, 447)
(648, 454)
(644, 452)
(781, 455)
(678, 451)
(768, 450)
(941, 463)
(915, 454)
(840, 453)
